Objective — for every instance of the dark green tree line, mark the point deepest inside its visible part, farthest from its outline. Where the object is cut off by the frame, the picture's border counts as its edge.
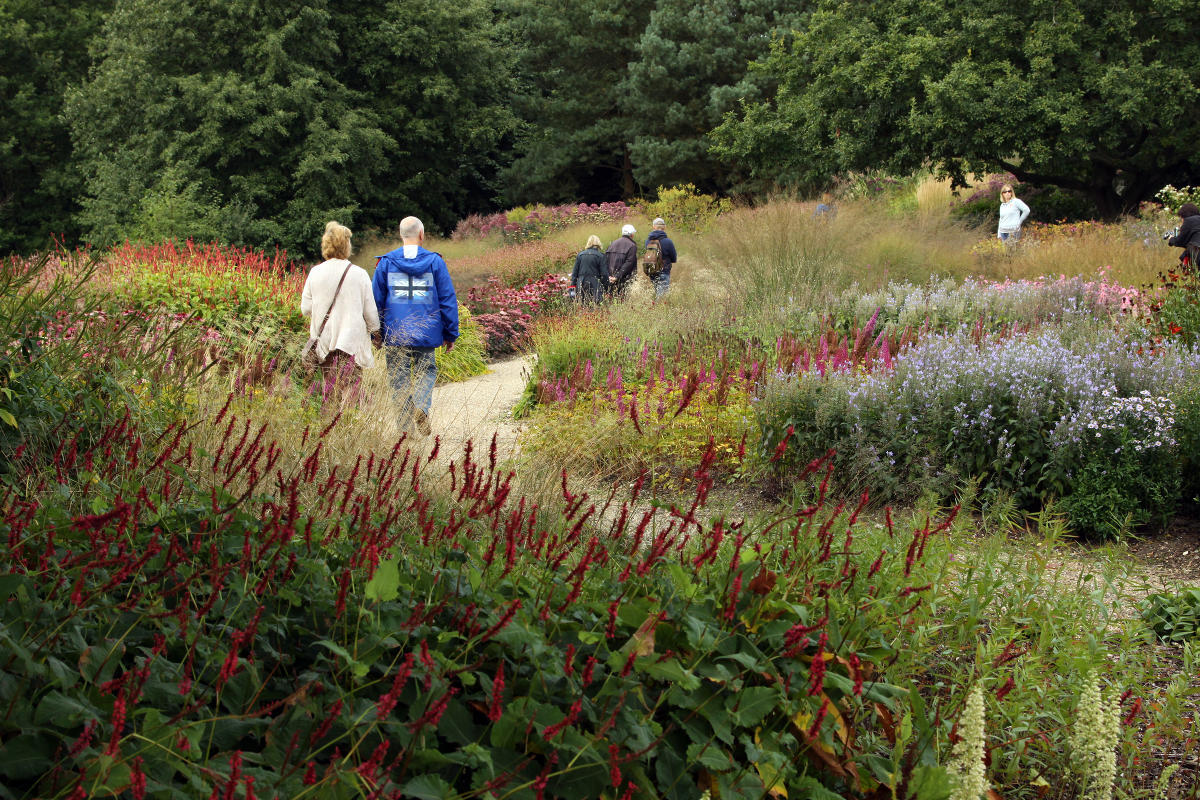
(572, 61)
(1096, 97)
(43, 50)
(691, 68)
(254, 123)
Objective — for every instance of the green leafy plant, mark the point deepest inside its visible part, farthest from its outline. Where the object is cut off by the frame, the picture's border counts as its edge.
(1174, 310)
(392, 641)
(1173, 617)
(1173, 197)
(466, 358)
(1129, 473)
(224, 287)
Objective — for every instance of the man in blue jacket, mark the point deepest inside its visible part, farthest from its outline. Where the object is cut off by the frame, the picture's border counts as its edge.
(419, 311)
(662, 281)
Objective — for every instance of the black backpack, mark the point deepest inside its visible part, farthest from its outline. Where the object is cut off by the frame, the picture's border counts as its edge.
(652, 260)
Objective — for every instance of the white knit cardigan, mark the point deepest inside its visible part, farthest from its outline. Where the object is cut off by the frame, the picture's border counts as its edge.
(354, 317)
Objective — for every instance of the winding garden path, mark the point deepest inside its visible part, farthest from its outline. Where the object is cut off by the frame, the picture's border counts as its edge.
(476, 408)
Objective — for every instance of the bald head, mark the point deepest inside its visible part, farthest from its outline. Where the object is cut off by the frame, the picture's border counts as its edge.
(412, 230)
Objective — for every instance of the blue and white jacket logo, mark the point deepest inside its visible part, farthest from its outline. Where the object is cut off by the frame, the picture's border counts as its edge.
(405, 288)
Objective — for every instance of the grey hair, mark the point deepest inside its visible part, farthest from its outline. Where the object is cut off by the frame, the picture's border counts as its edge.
(411, 228)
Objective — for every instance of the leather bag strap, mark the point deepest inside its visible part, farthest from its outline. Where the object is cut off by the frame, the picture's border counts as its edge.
(336, 291)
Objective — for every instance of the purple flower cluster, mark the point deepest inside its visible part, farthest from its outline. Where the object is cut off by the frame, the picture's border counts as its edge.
(505, 314)
(947, 303)
(539, 220)
(991, 391)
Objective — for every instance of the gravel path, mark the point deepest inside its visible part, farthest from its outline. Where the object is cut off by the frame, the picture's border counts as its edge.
(476, 408)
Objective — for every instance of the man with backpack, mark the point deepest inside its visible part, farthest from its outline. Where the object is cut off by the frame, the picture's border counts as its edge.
(622, 261)
(658, 257)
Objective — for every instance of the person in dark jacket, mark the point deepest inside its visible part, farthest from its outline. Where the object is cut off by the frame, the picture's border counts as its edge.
(419, 311)
(662, 281)
(1188, 235)
(590, 275)
(622, 261)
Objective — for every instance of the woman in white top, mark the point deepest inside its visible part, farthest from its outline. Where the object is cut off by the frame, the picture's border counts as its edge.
(1012, 213)
(345, 341)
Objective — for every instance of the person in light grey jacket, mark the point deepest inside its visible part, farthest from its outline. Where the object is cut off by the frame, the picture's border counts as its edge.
(1012, 213)
(345, 341)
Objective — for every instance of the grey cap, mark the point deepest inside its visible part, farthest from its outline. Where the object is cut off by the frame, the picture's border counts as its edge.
(659, 221)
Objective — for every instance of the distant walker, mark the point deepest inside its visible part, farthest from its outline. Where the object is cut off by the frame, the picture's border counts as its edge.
(658, 266)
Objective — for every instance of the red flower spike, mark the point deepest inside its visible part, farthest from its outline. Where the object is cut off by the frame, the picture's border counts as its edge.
(503, 622)
(782, 446)
(494, 709)
(568, 661)
(572, 715)
(815, 729)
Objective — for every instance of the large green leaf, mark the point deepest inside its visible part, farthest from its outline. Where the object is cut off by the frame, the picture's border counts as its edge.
(811, 789)
(929, 783)
(710, 755)
(384, 585)
(61, 710)
(26, 756)
(753, 704)
(671, 670)
(428, 787)
(9, 584)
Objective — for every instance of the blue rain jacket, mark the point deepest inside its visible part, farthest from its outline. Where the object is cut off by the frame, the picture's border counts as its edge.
(416, 300)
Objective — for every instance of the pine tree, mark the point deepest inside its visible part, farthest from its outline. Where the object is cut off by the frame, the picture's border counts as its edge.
(692, 67)
(573, 56)
(256, 123)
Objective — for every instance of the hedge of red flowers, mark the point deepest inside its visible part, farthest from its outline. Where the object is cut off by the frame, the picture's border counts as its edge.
(178, 623)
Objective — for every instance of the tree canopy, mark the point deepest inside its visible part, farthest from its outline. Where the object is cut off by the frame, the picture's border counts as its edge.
(254, 123)
(43, 49)
(572, 58)
(1098, 97)
(257, 123)
(691, 67)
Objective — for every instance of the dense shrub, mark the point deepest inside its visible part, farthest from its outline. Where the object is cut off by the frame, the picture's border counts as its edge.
(1127, 471)
(945, 304)
(685, 209)
(505, 314)
(1174, 308)
(1173, 197)
(67, 365)
(1173, 617)
(1009, 408)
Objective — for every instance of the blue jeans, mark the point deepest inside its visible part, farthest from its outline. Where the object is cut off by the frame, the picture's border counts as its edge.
(1009, 236)
(662, 282)
(413, 372)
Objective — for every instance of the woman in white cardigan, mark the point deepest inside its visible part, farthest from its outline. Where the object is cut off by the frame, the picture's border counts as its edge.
(345, 341)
